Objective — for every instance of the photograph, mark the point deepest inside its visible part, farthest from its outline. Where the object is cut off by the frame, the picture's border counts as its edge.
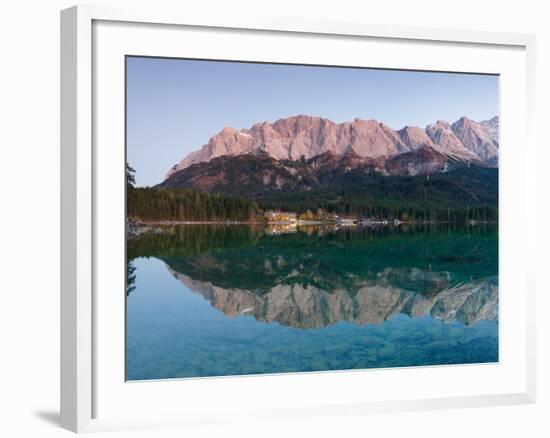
(289, 218)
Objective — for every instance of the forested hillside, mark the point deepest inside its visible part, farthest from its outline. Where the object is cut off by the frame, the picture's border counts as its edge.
(157, 204)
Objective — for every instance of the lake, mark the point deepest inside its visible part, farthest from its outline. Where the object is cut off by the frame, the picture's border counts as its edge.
(218, 300)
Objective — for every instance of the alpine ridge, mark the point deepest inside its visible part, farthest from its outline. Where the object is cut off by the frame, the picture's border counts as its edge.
(305, 137)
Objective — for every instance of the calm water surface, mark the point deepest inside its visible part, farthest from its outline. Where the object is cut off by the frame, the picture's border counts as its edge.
(213, 300)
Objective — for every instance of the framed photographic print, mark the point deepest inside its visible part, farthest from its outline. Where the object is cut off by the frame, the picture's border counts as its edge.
(256, 208)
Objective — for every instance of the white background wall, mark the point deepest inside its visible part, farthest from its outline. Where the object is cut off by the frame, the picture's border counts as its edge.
(29, 218)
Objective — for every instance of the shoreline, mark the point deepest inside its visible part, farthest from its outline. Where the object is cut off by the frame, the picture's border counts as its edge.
(135, 228)
(168, 223)
(305, 223)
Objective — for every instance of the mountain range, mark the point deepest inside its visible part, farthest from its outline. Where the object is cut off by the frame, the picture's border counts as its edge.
(361, 143)
(364, 166)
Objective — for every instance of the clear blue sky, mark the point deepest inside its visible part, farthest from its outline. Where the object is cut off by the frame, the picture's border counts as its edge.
(174, 106)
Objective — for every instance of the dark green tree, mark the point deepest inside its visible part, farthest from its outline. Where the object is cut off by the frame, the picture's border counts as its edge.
(130, 176)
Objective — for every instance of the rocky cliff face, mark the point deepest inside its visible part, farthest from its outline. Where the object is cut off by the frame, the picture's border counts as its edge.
(477, 140)
(491, 126)
(298, 137)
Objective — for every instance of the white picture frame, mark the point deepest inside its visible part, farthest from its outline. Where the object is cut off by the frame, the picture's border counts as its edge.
(82, 373)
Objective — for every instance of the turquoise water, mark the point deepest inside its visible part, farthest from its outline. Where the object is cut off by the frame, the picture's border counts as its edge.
(233, 300)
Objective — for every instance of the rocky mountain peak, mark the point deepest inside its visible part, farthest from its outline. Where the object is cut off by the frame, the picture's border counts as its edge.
(415, 137)
(491, 126)
(304, 137)
(476, 139)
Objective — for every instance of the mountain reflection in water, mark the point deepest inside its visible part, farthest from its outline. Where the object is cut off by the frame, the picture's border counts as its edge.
(373, 302)
(314, 278)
